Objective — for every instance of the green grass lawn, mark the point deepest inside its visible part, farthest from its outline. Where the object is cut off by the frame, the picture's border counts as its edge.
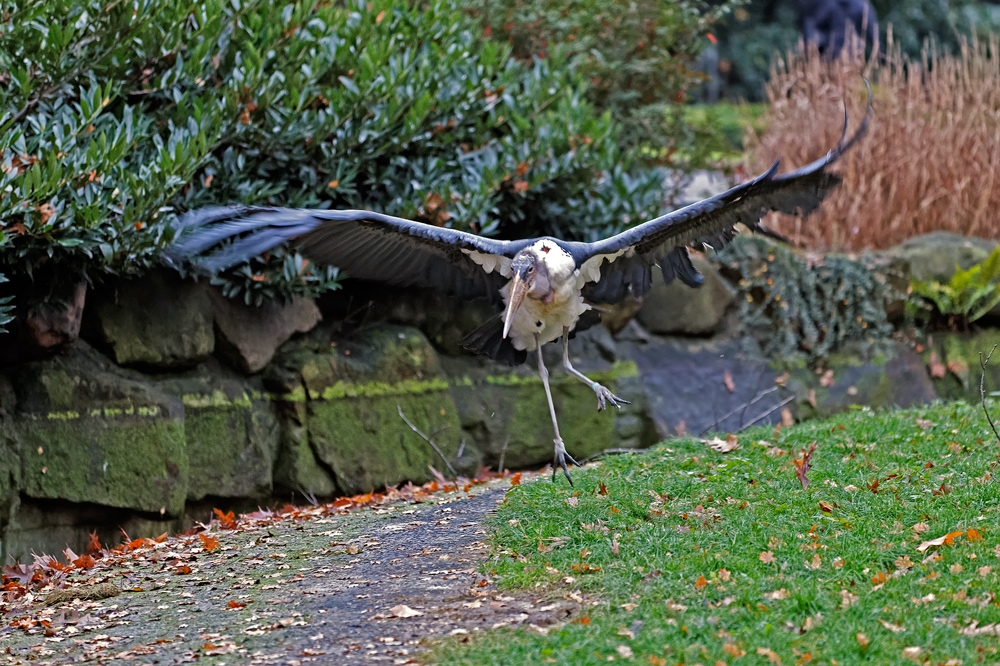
(685, 555)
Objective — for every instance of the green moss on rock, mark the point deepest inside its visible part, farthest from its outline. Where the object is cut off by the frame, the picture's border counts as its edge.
(297, 468)
(135, 462)
(231, 432)
(368, 446)
(92, 432)
(959, 354)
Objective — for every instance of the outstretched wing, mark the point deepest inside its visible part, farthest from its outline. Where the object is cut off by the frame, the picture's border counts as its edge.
(365, 244)
(623, 263)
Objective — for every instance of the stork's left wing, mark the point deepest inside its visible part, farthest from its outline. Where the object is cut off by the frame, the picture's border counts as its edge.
(624, 262)
(366, 244)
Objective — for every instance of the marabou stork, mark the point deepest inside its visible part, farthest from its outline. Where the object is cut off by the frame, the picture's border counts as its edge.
(547, 285)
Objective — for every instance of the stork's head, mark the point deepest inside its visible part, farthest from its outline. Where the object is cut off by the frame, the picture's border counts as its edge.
(529, 278)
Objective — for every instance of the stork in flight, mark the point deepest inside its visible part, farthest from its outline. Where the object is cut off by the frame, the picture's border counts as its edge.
(546, 285)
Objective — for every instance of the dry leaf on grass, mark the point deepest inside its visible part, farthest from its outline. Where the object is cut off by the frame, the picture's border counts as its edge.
(992, 629)
(894, 628)
(770, 654)
(624, 651)
(730, 443)
(946, 540)
(803, 464)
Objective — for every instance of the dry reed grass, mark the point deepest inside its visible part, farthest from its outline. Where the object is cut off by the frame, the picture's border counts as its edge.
(930, 160)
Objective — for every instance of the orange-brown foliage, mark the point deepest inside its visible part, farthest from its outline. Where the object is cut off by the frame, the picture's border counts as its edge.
(930, 160)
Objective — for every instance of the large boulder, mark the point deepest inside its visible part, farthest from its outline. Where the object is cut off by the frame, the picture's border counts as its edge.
(953, 362)
(230, 430)
(895, 377)
(249, 336)
(351, 391)
(676, 308)
(932, 257)
(695, 386)
(506, 416)
(158, 321)
(92, 432)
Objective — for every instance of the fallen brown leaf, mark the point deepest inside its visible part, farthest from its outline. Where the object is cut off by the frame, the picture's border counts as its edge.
(727, 379)
(404, 611)
(770, 654)
(894, 628)
(730, 443)
(946, 540)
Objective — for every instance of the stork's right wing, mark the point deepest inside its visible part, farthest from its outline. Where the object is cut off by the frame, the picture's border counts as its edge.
(625, 261)
(365, 244)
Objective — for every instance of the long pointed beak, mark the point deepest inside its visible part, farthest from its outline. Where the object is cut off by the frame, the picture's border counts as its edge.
(518, 288)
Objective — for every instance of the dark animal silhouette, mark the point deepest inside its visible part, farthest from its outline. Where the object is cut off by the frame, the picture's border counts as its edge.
(829, 23)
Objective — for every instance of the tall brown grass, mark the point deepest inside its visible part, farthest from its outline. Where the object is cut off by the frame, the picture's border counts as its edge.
(929, 162)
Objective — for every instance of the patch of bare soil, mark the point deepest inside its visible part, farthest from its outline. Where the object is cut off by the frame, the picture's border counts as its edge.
(364, 587)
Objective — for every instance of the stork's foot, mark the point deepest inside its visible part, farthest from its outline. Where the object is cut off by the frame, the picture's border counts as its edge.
(604, 396)
(560, 460)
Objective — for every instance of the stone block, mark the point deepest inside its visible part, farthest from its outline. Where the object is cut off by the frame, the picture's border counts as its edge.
(676, 308)
(158, 321)
(340, 396)
(247, 337)
(91, 432)
(297, 468)
(230, 431)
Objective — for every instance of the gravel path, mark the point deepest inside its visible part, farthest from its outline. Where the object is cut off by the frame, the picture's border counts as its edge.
(367, 587)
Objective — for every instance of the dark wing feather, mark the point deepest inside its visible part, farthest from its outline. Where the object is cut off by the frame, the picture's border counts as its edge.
(365, 244)
(665, 240)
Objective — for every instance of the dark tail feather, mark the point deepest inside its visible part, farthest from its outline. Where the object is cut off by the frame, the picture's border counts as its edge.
(488, 339)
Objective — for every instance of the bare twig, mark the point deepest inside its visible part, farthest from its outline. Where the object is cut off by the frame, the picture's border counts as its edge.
(426, 439)
(739, 408)
(503, 452)
(768, 412)
(982, 389)
(309, 496)
(608, 452)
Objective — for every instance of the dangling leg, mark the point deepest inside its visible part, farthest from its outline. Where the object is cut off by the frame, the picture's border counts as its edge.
(561, 455)
(602, 392)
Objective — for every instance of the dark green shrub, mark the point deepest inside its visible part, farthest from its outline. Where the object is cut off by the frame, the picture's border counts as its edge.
(805, 307)
(638, 56)
(966, 297)
(117, 116)
(750, 37)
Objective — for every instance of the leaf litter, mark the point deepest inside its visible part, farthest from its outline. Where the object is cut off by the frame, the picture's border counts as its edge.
(364, 579)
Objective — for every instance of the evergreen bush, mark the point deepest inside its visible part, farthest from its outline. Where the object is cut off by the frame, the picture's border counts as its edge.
(639, 58)
(116, 117)
(805, 307)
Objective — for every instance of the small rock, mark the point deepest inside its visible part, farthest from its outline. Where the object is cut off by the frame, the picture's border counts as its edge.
(53, 326)
(158, 321)
(678, 308)
(249, 336)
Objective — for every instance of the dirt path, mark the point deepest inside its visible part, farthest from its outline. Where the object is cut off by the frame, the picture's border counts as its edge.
(366, 587)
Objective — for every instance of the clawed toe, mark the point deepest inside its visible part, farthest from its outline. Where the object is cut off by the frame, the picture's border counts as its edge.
(603, 395)
(560, 462)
